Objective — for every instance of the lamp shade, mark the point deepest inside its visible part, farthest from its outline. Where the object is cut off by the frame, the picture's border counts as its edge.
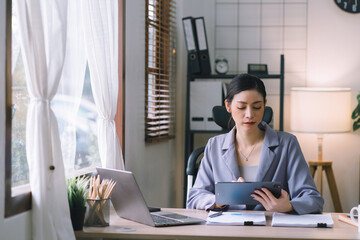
(321, 110)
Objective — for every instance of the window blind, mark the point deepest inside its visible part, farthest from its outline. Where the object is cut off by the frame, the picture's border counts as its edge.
(160, 70)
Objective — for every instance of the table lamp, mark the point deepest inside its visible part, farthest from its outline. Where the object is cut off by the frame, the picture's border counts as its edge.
(321, 111)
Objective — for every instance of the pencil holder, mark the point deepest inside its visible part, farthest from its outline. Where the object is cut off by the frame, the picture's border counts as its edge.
(97, 213)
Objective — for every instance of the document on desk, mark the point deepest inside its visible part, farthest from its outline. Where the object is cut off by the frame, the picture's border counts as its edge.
(306, 220)
(236, 218)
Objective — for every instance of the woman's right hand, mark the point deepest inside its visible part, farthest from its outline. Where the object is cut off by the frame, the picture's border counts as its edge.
(240, 179)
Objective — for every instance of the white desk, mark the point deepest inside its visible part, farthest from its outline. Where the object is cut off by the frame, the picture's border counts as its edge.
(339, 231)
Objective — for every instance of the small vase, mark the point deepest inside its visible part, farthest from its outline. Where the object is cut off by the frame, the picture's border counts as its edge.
(77, 218)
(98, 213)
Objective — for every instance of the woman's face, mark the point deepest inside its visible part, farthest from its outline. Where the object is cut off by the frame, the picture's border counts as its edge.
(247, 109)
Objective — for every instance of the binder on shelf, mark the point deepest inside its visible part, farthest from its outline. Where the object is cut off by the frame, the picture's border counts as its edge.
(204, 58)
(191, 45)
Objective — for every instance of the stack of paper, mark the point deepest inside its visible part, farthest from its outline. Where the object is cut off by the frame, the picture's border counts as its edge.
(237, 218)
(306, 220)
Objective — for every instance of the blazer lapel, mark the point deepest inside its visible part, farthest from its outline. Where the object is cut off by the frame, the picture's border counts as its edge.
(267, 156)
(229, 155)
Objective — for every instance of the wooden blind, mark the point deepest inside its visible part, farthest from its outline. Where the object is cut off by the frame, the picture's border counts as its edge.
(160, 70)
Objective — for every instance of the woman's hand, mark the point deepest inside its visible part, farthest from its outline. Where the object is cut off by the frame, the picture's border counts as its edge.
(271, 203)
(240, 179)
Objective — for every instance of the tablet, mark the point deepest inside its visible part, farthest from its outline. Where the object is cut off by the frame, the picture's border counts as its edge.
(239, 192)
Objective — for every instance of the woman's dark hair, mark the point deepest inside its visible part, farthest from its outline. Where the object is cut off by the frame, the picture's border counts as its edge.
(243, 82)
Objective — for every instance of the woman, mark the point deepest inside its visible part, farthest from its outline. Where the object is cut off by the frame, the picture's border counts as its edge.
(252, 151)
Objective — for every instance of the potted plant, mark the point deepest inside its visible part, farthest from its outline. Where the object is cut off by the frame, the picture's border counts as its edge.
(77, 192)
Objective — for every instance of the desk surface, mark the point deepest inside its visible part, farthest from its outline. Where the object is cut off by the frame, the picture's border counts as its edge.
(339, 231)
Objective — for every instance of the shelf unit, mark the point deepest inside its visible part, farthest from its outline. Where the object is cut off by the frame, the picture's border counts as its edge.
(189, 134)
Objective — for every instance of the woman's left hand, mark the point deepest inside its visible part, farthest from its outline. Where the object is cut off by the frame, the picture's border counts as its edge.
(271, 203)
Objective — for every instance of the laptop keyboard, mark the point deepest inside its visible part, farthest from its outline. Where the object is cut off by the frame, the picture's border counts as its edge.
(162, 220)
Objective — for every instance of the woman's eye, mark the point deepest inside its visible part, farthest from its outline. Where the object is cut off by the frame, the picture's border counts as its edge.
(257, 108)
(242, 108)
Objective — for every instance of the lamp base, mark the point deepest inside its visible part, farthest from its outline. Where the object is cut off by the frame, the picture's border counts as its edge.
(327, 167)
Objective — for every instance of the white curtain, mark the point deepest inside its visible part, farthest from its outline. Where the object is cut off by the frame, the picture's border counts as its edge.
(101, 34)
(42, 28)
(72, 82)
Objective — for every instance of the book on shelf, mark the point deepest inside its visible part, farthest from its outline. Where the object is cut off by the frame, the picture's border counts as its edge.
(344, 218)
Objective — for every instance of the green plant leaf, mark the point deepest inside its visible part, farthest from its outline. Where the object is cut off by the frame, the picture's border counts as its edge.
(77, 191)
(356, 124)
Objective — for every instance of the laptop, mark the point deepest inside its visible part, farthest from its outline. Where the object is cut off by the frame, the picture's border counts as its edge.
(130, 204)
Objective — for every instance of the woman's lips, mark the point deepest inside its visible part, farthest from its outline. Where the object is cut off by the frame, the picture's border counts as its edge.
(249, 123)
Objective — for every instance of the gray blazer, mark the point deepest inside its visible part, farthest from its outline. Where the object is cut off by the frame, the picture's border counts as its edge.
(281, 160)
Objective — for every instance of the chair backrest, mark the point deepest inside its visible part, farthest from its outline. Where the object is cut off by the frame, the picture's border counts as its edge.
(192, 168)
(222, 118)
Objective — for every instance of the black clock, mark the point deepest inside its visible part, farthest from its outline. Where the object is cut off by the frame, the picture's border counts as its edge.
(350, 6)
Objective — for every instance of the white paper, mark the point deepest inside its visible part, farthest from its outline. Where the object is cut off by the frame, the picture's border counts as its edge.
(306, 220)
(237, 218)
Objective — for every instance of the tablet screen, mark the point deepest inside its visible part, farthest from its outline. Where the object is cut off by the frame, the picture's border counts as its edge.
(239, 192)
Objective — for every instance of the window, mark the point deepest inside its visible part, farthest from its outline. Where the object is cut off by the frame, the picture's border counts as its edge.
(16, 172)
(84, 144)
(160, 70)
(17, 190)
(77, 127)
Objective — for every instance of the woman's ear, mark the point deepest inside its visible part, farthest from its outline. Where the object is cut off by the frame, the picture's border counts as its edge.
(227, 105)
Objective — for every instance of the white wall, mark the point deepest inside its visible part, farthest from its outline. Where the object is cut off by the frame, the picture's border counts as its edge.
(187, 8)
(153, 164)
(333, 49)
(17, 227)
(158, 167)
(334, 61)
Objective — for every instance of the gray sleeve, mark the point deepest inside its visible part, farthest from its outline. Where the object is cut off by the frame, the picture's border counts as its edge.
(202, 194)
(304, 195)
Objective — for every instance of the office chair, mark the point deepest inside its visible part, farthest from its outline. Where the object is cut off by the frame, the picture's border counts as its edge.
(222, 118)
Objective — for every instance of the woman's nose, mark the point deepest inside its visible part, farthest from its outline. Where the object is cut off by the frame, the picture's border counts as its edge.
(249, 113)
